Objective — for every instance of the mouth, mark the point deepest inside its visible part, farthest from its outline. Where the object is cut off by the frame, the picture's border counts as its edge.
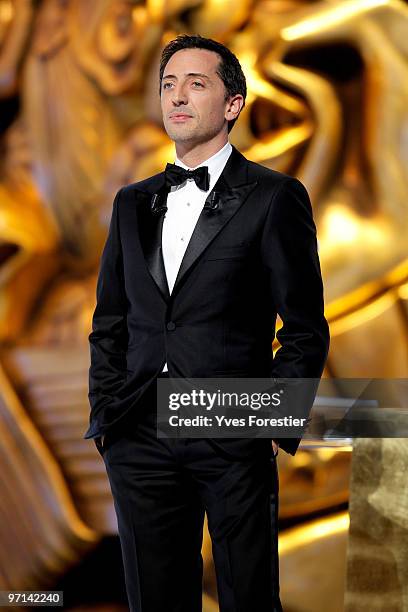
(179, 117)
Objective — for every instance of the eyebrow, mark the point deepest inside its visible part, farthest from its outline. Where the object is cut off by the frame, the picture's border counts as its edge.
(198, 74)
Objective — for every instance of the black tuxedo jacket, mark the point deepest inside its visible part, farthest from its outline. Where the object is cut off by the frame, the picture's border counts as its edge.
(253, 256)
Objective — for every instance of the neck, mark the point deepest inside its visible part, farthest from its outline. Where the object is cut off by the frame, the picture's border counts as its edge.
(194, 154)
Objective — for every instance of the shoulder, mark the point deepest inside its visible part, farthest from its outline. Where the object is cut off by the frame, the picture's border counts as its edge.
(147, 186)
(136, 195)
(272, 179)
(276, 187)
(267, 174)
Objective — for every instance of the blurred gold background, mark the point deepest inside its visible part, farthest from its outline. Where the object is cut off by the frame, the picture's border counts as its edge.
(80, 117)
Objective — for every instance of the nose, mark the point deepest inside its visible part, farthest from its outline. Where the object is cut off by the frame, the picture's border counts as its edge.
(178, 95)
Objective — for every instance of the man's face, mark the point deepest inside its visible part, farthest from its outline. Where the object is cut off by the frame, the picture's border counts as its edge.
(191, 86)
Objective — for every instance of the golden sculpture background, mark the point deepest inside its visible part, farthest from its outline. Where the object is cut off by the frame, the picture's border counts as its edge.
(80, 116)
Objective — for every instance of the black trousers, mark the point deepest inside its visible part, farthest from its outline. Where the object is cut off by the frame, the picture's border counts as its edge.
(161, 489)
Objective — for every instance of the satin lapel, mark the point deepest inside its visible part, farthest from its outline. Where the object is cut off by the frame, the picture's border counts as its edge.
(150, 231)
(231, 191)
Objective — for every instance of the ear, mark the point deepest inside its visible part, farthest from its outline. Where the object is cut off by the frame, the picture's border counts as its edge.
(234, 107)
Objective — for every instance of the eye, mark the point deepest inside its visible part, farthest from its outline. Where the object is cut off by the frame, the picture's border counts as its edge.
(164, 85)
(198, 83)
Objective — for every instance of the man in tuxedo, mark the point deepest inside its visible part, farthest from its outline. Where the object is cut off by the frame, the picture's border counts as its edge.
(198, 261)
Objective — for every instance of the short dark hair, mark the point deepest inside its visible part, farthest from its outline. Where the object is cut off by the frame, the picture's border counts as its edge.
(229, 69)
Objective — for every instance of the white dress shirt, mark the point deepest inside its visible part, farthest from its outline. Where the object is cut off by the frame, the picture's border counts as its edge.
(184, 205)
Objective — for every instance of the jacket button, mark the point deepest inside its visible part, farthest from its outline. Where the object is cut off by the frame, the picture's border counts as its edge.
(171, 325)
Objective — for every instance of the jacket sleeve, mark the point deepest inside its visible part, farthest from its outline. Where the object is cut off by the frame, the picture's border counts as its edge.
(290, 256)
(109, 336)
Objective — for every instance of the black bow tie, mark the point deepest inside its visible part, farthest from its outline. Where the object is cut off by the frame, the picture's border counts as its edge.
(175, 175)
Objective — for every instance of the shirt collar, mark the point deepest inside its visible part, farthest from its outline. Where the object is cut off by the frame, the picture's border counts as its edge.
(215, 163)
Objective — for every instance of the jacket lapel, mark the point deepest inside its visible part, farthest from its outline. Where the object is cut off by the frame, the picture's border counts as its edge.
(230, 192)
(150, 231)
(209, 224)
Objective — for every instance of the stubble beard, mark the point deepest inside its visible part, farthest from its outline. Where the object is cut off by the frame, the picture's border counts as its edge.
(181, 133)
(193, 135)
